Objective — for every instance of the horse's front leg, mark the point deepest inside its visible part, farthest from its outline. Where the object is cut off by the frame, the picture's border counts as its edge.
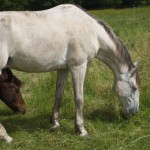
(78, 75)
(4, 135)
(60, 84)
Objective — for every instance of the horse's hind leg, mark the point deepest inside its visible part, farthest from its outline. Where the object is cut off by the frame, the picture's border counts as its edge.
(60, 84)
(78, 75)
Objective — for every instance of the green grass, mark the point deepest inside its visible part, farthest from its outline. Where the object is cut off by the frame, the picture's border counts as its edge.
(104, 120)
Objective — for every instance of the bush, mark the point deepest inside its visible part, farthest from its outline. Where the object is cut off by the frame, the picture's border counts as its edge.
(87, 4)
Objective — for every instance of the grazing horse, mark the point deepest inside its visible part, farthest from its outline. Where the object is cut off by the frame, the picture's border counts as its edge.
(10, 91)
(65, 38)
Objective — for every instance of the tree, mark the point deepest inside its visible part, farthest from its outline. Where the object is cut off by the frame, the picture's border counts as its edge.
(88, 4)
(13, 5)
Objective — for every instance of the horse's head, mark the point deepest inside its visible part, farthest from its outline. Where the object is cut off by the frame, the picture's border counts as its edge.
(127, 89)
(10, 91)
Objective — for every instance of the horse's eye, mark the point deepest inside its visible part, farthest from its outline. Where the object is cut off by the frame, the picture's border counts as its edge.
(134, 88)
(17, 90)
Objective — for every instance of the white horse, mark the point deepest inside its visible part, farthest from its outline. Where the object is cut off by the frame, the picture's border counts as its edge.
(65, 38)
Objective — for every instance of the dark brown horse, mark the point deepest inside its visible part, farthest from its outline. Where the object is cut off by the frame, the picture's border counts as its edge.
(10, 91)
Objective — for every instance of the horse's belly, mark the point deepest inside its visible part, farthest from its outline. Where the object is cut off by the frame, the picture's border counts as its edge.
(33, 64)
(40, 52)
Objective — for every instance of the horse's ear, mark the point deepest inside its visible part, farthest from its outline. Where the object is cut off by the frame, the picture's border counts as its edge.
(1, 79)
(17, 81)
(133, 71)
(9, 74)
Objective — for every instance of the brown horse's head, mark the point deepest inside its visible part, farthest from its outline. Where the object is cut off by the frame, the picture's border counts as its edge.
(10, 91)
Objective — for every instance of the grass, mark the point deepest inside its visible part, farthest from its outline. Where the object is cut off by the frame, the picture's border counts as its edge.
(104, 120)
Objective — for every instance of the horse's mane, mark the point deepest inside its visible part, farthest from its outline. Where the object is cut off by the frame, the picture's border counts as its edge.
(122, 50)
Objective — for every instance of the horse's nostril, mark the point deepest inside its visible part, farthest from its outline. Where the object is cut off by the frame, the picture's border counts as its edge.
(132, 111)
(21, 111)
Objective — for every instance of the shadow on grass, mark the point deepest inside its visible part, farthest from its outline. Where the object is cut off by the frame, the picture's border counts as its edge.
(41, 121)
(5, 112)
(33, 123)
(106, 114)
(15, 122)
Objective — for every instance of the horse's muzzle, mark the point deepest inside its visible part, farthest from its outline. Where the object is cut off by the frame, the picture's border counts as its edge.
(132, 110)
(21, 111)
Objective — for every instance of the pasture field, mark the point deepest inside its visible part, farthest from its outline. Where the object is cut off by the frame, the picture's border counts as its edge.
(108, 127)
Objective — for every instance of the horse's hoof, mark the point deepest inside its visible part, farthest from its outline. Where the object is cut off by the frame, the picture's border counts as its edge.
(81, 131)
(53, 128)
(9, 139)
(84, 134)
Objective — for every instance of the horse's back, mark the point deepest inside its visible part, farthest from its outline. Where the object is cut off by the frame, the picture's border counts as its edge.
(50, 39)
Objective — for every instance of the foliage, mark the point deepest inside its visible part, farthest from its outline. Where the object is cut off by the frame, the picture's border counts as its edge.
(101, 3)
(38, 5)
(88, 4)
(33, 4)
(104, 120)
(135, 2)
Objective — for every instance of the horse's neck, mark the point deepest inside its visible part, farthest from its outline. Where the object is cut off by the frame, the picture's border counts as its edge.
(115, 63)
(112, 51)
